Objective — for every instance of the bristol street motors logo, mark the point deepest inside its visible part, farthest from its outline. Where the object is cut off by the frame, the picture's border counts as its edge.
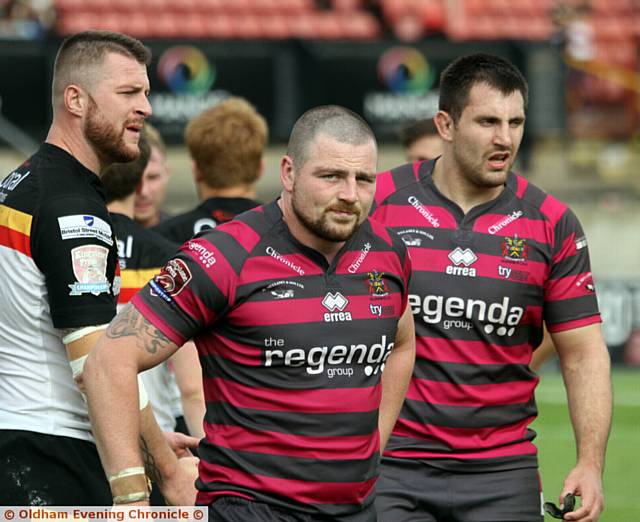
(335, 303)
(462, 261)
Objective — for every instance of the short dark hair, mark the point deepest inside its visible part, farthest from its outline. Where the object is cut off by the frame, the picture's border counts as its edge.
(338, 122)
(120, 180)
(462, 74)
(80, 52)
(411, 133)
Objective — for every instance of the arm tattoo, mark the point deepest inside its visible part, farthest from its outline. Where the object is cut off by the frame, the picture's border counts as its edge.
(150, 463)
(130, 323)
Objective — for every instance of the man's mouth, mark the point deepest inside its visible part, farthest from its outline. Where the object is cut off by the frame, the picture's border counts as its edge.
(499, 160)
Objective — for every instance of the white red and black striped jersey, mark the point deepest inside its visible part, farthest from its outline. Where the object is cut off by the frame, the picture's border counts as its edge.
(59, 271)
(292, 350)
(482, 284)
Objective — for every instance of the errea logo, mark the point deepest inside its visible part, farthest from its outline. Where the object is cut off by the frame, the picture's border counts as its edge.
(465, 258)
(335, 303)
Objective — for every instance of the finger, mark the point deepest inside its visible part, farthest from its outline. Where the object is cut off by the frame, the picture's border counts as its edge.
(579, 514)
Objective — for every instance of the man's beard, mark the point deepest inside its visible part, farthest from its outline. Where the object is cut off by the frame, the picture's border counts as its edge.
(105, 139)
(322, 228)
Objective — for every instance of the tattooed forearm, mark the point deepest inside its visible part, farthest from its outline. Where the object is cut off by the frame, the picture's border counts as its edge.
(150, 463)
(130, 323)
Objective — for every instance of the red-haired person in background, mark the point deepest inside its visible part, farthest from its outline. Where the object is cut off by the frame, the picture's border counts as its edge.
(226, 143)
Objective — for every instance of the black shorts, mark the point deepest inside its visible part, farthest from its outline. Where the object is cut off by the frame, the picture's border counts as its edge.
(45, 470)
(410, 490)
(236, 509)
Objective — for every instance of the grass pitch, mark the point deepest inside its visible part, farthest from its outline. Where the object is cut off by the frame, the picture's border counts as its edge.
(557, 447)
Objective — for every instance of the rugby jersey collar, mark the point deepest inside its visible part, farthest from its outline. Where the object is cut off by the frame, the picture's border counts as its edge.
(502, 200)
(61, 155)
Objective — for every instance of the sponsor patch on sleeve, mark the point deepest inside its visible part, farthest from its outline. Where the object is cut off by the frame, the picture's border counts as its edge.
(80, 226)
(171, 280)
(89, 264)
(581, 243)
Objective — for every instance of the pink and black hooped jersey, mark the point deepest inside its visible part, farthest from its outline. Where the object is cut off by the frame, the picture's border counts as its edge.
(482, 284)
(292, 350)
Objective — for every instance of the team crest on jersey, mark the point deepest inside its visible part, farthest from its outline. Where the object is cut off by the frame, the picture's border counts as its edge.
(377, 285)
(515, 249)
(171, 280)
(335, 303)
(89, 264)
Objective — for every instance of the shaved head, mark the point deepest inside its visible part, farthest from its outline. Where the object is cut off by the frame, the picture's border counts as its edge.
(334, 121)
(81, 55)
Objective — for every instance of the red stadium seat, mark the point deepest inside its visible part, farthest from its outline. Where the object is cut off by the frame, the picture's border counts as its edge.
(73, 22)
(346, 5)
(276, 26)
(360, 26)
(137, 24)
(219, 26)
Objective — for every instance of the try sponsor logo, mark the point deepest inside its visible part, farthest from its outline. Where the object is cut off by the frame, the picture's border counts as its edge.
(80, 226)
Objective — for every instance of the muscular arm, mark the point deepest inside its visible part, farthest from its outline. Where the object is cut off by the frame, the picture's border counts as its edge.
(585, 365)
(130, 344)
(396, 376)
(189, 378)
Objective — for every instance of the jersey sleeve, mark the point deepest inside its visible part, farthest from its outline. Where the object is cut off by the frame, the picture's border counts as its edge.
(73, 245)
(192, 291)
(570, 298)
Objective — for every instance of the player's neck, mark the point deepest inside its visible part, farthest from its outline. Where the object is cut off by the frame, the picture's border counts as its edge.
(452, 184)
(239, 191)
(123, 206)
(75, 144)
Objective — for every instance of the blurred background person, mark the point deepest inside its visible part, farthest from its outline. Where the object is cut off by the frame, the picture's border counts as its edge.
(421, 140)
(226, 143)
(151, 196)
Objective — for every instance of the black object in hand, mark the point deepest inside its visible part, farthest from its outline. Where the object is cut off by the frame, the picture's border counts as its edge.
(556, 512)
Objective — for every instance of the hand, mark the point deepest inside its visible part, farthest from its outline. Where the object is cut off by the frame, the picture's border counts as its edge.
(585, 482)
(180, 443)
(179, 488)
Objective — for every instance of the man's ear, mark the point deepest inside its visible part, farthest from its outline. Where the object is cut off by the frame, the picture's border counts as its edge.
(75, 100)
(444, 124)
(287, 173)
